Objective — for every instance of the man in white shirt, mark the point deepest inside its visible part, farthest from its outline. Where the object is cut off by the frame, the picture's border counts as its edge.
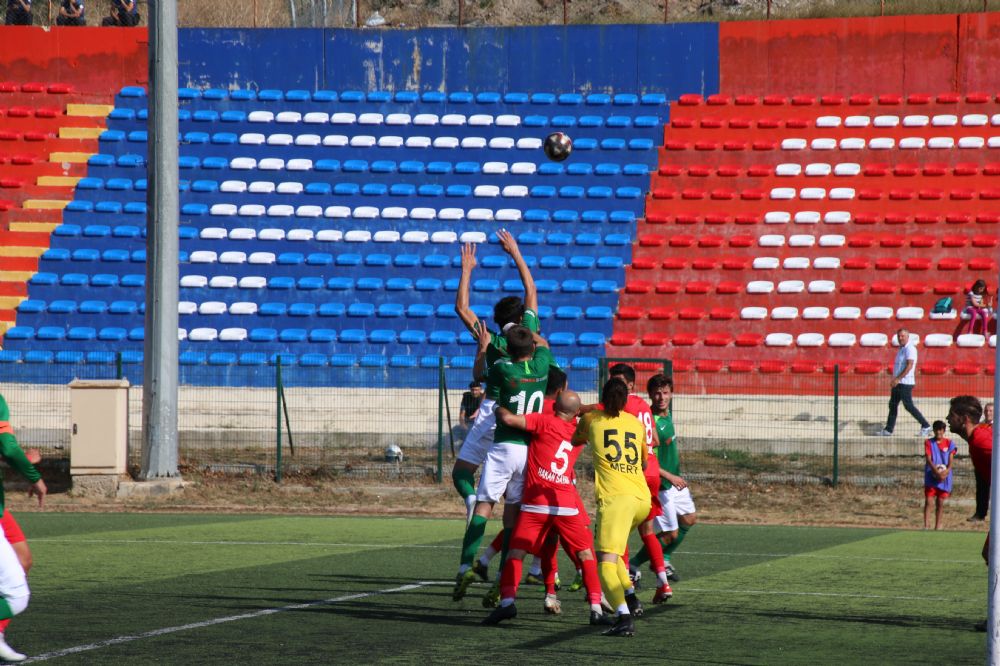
(904, 368)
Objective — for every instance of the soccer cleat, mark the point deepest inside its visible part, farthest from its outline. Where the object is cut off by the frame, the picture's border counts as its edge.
(482, 571)
(532, 579)
(926, 432)
(462, 583)
(663, 593)
(885, 433)
(672, 574)
(601, 619)
(634, 606)
(552, 605)
(500, 614)
(7, 653)
(976, 518)
(558, 582)
(577, 582)
(624, 626)
(635, 576)
(492, 597)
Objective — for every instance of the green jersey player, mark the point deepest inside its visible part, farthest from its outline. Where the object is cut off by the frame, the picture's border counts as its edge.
(678, 515)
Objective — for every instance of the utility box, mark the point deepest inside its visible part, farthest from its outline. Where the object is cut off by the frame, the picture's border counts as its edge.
(99, 435)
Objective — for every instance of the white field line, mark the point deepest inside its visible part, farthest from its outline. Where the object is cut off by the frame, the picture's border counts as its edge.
(783, 593)
(329, 544)
(118, 640)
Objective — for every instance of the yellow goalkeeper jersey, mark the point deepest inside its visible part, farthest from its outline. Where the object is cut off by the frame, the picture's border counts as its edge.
(620, 447)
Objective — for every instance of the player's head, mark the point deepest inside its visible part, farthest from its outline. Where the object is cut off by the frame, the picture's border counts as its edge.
(661, 391)
(988, 413)
(508, 311)
(964, 412)
(614, 395)
(624, 372)
(567, 404)
(939, 428)
(556, 382)
(520, 343)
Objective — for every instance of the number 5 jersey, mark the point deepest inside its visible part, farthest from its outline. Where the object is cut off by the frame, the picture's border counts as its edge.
(548, 473)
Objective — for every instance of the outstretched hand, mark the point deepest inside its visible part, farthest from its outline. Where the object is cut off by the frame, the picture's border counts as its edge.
(483, 337)
(507, 242)
(468, 256)
(39, 490)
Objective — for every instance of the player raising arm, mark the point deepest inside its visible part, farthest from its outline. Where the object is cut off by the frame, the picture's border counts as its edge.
(549, 502)
(507, 312)
(620, 451)
(14, 591)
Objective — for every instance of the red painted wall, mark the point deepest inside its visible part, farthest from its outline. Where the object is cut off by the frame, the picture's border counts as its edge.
(897, 54)
(96, 61)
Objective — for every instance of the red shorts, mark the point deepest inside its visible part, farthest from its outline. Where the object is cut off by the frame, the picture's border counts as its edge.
(11, 530)
(931, 491)
(652, 474)
(583, 510)
(533, 528)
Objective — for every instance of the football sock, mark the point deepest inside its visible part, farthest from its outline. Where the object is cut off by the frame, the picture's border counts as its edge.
(473, 537)
(623, 609)
(608, 573)
(596, 608)
(506, 602)
(623, 578)
(536, 566)
(641, 557)
(492, 549)
(3, 626)
(505, 547)
(592, 582)
(652, 546)
(669, 550)
(547, 561)
(465, 482)
(626, 558)
(661, 577)
(5, 610)
(510, 577)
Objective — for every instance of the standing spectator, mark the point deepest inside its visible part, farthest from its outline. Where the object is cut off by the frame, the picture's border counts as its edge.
(982, 485)
(468, 411)
(939, 452)
(71, 13)
(977, 306)
(964, 414)
(18, 12)
(904, 369)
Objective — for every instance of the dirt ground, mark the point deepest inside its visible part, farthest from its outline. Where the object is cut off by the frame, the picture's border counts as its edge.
(718, 502)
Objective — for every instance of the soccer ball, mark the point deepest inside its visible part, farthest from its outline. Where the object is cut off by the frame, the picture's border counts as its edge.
(558, 146)
(941, 469)
(393, 454)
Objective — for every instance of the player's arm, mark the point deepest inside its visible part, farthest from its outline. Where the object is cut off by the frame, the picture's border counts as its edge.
(483, 339)
(12, 453)
(927, 454)
(906, 371)
(510, 419)
(539, 340)
(509, 245)
(462, 308)
(644, 456)
(674, 480)
(580, 436)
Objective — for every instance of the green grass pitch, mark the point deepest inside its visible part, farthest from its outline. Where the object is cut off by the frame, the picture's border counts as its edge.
(192, 589)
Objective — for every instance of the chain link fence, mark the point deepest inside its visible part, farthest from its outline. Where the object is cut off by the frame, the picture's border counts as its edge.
(820, 427)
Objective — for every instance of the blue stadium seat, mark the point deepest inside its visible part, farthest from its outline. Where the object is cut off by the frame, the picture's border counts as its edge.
(272, 309)
(302, 309)
(313, 360)
(343, 360)
(262, 335)
(352, 336)
(361, 310)
(412, 337)
(322, 335)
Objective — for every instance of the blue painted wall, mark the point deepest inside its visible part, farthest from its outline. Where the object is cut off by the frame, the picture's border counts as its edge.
(671, 59)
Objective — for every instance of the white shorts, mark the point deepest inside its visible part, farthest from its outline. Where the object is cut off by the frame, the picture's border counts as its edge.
(675, 503)
(480, 437)
(503, 473)
(13, 582)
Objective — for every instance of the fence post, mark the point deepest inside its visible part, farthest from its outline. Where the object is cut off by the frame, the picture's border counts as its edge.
(441, 399)
(119, 372)
(277, 420)
(836, 424)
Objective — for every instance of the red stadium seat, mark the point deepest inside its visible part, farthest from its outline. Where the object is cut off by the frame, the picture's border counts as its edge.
(888, 263)
(918, 98)
(735, 263)
(949, 98)
(768, 123)
(831, 100)
(710, 240)
(978, 98)
(729, 287)
(689, 99)
(723, 194)
(664, 193)
(891, 240)
(749, 340)
(8, 87)
(675, 144)
(760, 171)
(732, 145)
(866, 218)
(926, 218)
(897, 218)
(703, 264)
(804, 367)
(681, 365)
(705, 145)
(967, 369)
(861, 240)
(990, 194)
(687, 219)
(803, 100)
(674, 263)
(622, 339)
(711, 123)
(745, 100)
(991, 169)
(655, 339)
(883, 287)
(741, 367)
(987, 218)
(684, 340)
(957, 218)
(747, 218)
(934, 169)
(33, 87)
(930, 194)
(774, 100)
(47, 112)
(797, 123)
(913, 288)
(947, 288)
(772, 367)
(691, 314)
(629, 313)
(692, 193)
(933, 368)
(859, 100)
(901, 194)
(722, 314)
(657, 218)
(661, 313)
(682, 123)
(706, 365)
(19, 112)
(699, 170)
(836, 366)
(982, 264)
(954, 241)
(638, 287)
(60, 88)
(717, 218)
(739, 123)
(982, 240)
(852, 287)
(918, 264)
(718, 100)
(950, 264)
(728, 171)
(668, 287)
(963, 194)
(669, 170)
(965, 169)
(890, 100)
(869, 194)
(857, 263)
(681, 240)
(753, 194)
(652, 240)
(762, 145)
(869, 368)
(643, 263)
(741, 241)
(922, 240)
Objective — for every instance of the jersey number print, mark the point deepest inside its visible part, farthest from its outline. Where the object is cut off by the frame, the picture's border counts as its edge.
(631, 450)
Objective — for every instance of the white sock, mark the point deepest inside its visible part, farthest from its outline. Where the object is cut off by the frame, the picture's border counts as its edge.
(487, 555)
(623, 609)
(463, 568)
(506, 601)
(662, 577)
(596, 608)
(629, 591)
(536, 567)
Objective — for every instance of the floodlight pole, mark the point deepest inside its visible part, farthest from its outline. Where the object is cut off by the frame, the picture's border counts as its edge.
(159, 397)
(993, 610)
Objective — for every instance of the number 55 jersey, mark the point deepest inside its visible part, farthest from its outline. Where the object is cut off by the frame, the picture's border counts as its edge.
(548, 473)
(620, 447)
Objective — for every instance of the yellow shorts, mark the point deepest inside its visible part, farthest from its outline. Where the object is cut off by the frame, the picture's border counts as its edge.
(617, 516)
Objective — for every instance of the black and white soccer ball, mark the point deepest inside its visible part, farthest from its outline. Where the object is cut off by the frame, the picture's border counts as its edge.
(557, 146)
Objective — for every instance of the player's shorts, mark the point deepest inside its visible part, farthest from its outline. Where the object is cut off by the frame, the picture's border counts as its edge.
(582, 509)
(932, 491)
(11, 530)
(617, 516)
(480, 436)
(503, 473)
(533, 528)
(675, 503)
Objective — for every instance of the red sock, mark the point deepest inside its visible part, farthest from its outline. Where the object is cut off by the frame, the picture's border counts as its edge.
(550, 563)
(591, 581)
(625, 559)
(655, 551)
(573, 556)
(497, 543)
(3, 625)
(510, 577)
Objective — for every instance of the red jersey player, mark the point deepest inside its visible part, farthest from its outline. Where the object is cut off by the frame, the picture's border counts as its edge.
(549, 502)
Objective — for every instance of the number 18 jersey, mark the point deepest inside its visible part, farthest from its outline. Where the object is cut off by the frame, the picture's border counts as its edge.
(548, 474)
(620, 448)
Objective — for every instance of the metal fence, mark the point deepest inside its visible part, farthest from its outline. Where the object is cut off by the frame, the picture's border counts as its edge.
(820, 427)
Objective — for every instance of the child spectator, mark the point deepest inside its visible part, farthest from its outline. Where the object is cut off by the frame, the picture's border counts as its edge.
(977, 306)
(18, 12)
(939, 452)
(71, 13)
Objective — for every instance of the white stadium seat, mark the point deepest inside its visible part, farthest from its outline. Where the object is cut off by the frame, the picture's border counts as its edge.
(874, 340)
(778, 340)
(753, 312)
